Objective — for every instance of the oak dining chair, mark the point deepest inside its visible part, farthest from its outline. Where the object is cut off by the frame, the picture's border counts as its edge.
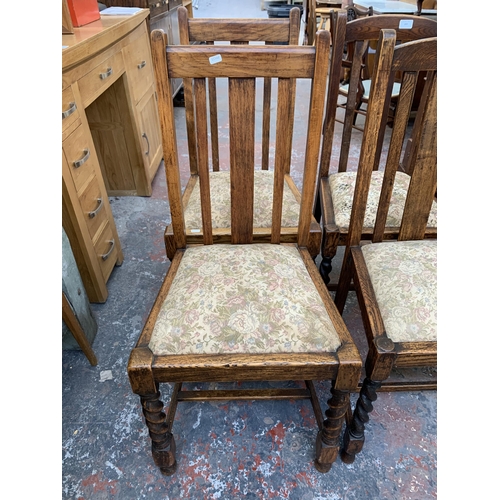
(395, 281)
(242, 310)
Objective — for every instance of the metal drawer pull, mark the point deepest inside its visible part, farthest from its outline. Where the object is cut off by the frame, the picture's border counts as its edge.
(70, 110)
(141, 65)
(96, 211)
(105, 256)
(103, 76)
(83, 159)
(147, 140)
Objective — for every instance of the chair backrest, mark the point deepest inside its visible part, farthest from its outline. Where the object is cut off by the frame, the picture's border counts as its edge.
(359, 33)
(241, 66)
(411, 59)
(211, 31)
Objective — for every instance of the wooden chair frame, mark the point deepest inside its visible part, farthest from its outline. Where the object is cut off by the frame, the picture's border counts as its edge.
(384, 354)
(358, 32)
(241, 64)
(237, 31)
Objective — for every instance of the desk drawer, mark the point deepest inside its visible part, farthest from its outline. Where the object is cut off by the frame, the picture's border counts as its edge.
(106, 249)
(80, 155)
(93, 84)
(139, 68)
(70, 113)
(92, 203)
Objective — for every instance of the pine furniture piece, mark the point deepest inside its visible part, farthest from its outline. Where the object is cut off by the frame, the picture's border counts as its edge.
(336, 181)
(111, 143)
(239, 31)
(395, 281)
(244, 310)
(163, 16)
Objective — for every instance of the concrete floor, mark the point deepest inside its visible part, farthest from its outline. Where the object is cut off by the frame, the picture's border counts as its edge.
(225, 450)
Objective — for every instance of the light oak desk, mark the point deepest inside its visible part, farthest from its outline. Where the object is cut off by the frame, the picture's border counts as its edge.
(111, 143)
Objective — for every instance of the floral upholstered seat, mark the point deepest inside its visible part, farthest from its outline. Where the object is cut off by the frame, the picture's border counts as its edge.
(221, 208)
(342, 186)
(404, 278)
(255, 298)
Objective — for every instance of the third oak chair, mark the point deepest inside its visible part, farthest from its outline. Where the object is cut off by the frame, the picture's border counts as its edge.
(395, 281)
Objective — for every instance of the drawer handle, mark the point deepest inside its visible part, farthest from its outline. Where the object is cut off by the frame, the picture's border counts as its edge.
(103, 76)
(70, 110)
(96, 211)
(141, 65)
(147, 140)
(83, 159)
(106, 255)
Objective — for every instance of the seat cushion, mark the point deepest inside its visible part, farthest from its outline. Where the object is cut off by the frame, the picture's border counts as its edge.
(220, 189)
(342, 188)
(367, 85)
(242, 299)
(404, 277)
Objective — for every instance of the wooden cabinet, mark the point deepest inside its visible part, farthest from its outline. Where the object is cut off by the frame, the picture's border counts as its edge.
(111, 141)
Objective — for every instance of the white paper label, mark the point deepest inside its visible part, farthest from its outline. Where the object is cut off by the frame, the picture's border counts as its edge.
(215, 59)
(406, 24)
(195, 230)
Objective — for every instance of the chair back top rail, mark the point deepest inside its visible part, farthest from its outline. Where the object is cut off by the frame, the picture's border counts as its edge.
(244, 30)
(242, 64)
(272, 61)
(358, 33)
(410, 58)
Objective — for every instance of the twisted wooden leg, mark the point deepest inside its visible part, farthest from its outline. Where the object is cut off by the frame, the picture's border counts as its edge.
(354, 435)
(163, 444)
(325, 269)
(327, 441)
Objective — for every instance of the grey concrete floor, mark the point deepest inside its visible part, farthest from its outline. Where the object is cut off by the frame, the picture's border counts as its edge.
(224, 449)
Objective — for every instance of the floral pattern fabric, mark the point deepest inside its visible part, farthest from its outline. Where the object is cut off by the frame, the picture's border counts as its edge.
(342, 188)
(220, 194)
(404, 277)
(255, 298)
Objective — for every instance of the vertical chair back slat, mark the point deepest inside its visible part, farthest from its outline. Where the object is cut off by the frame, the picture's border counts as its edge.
(242, 157)
(200, 99)
(409, 158)
(423, 181)
(394, 154)
(281, 159)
